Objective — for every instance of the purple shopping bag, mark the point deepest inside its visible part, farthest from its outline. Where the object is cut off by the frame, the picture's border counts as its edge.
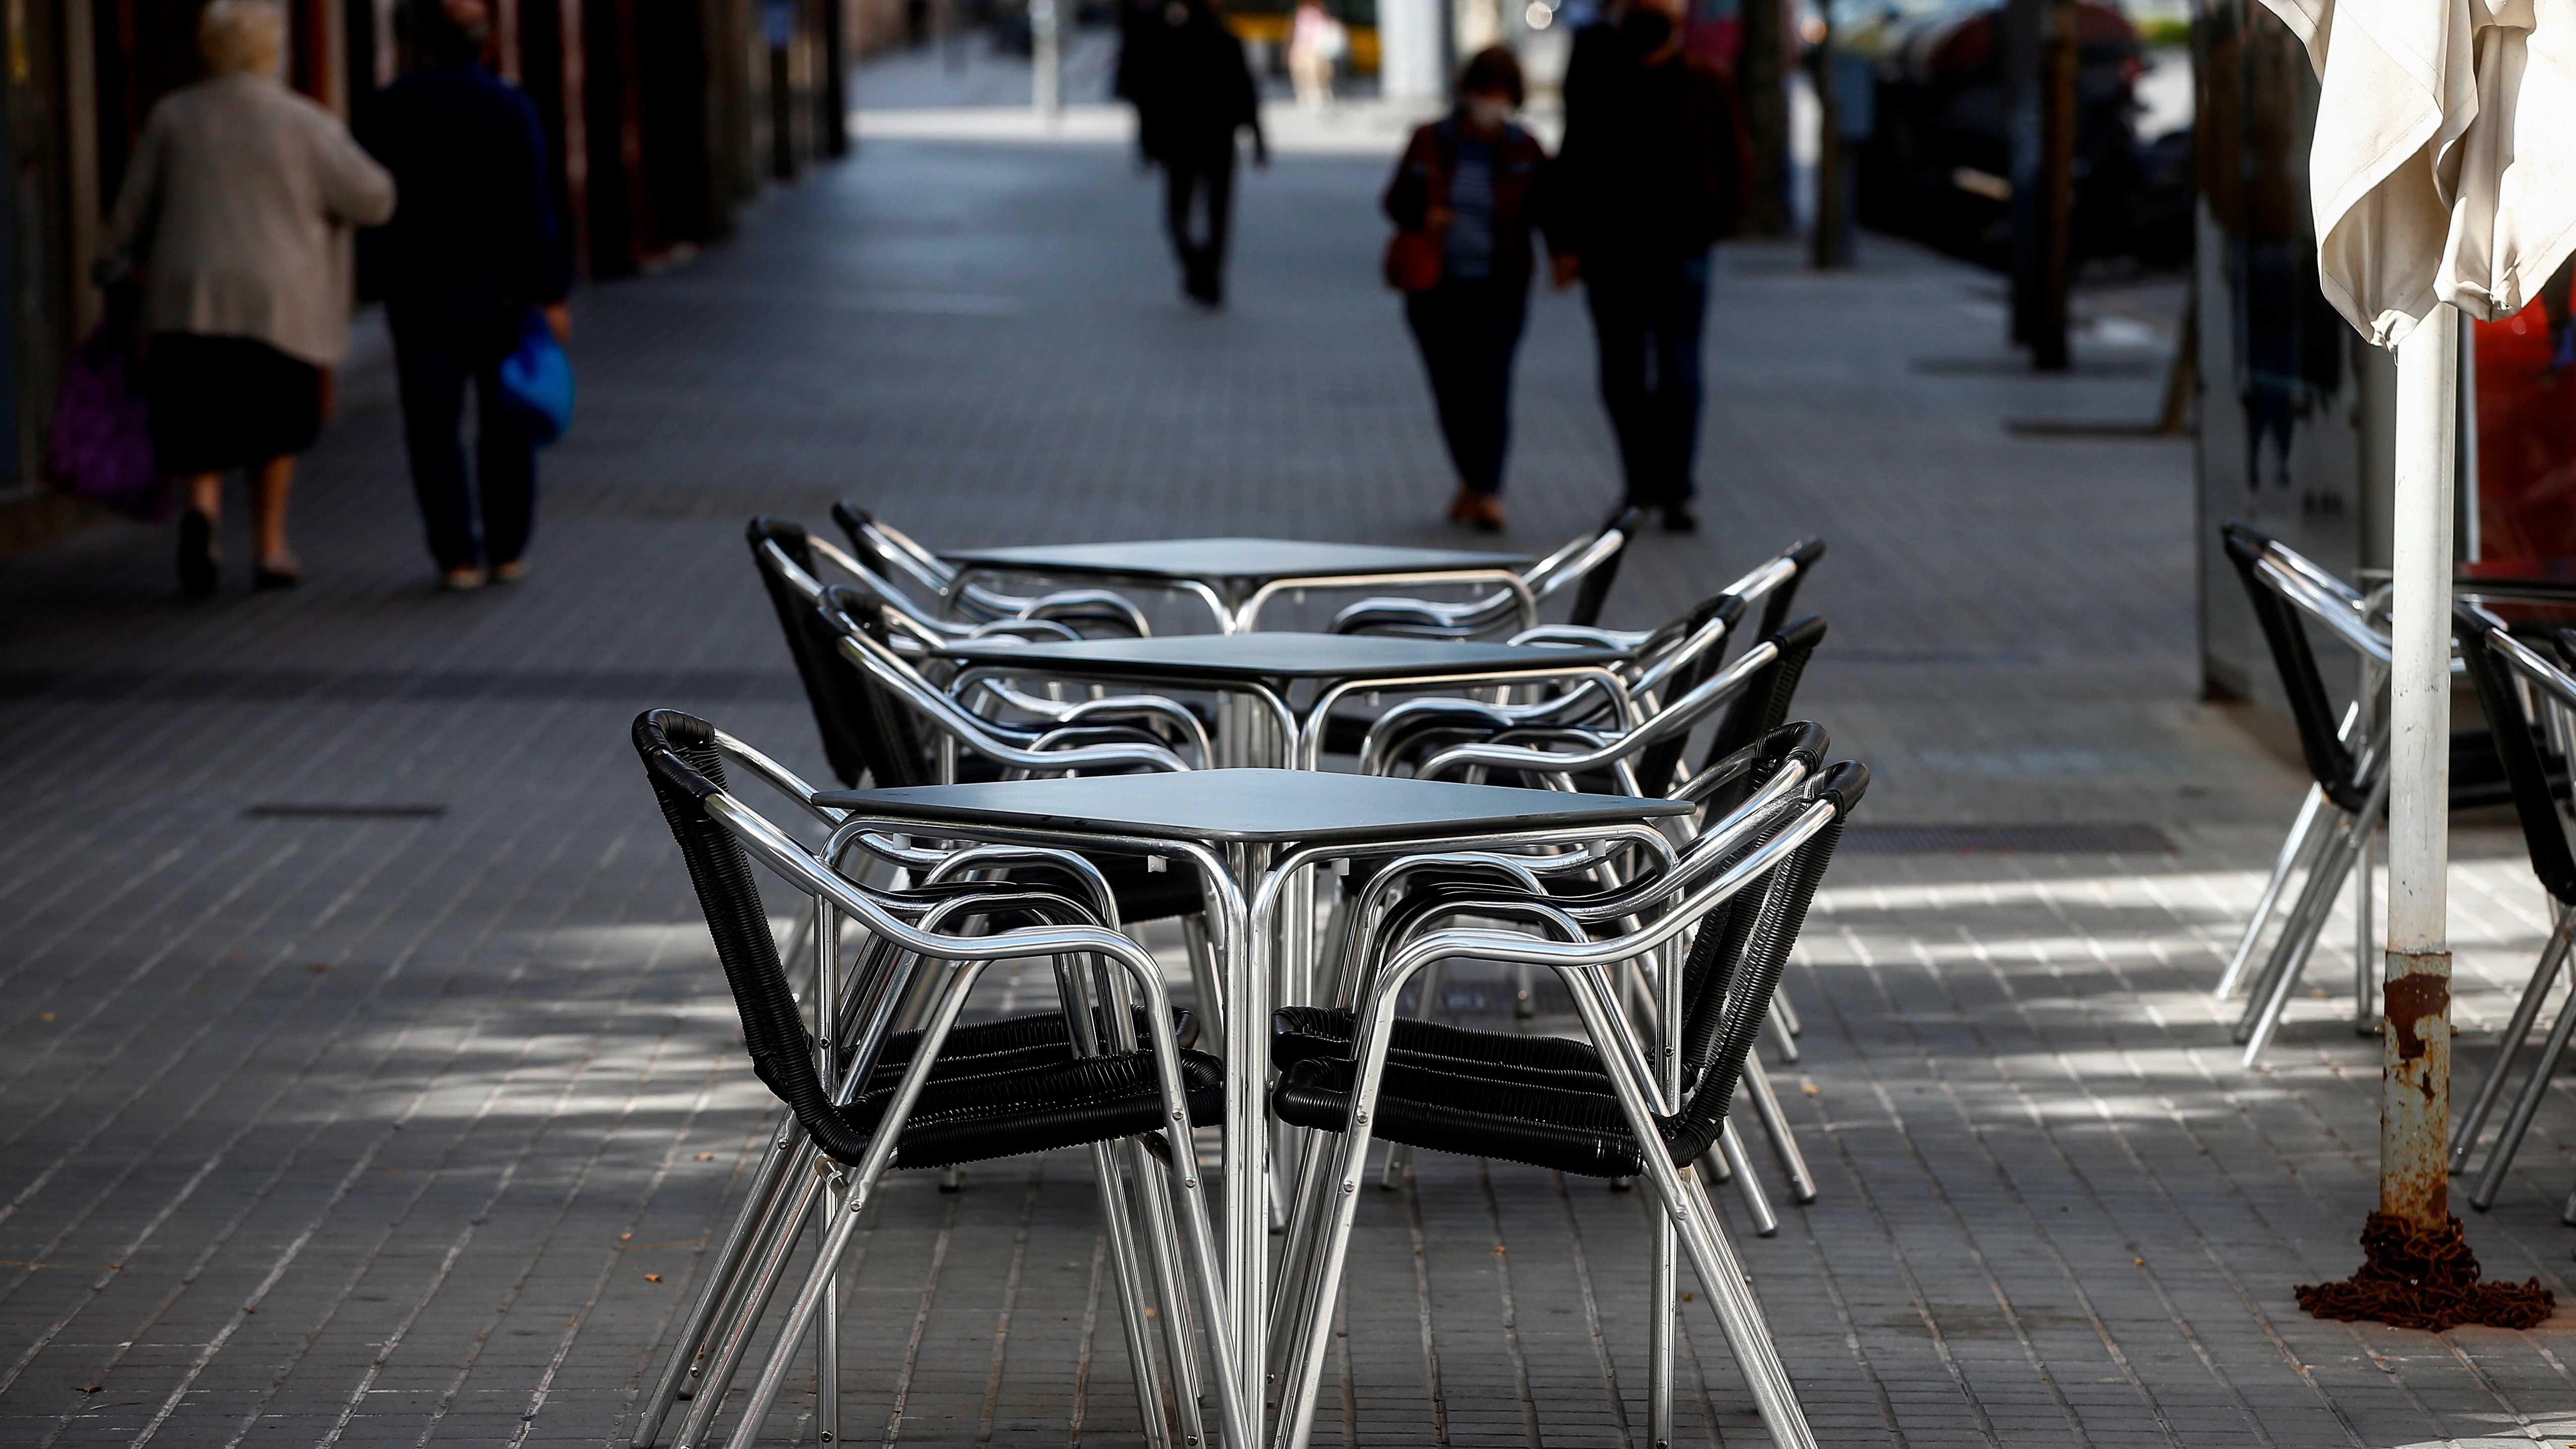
(100, 446)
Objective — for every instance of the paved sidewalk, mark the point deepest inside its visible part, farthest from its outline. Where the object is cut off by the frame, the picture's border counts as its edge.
(410, 1127)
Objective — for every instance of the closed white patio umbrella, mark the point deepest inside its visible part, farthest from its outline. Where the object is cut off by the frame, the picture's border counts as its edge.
(2444, 181)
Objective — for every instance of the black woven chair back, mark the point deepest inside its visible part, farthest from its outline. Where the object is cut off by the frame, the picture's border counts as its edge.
(897, 754)
(2518, 741)
(1655, 766)
(854, 521)
(1775, 607)
(835, 689)
(2328, 759)
(1545, 1100)
(681, 759)
(1735, 966)
(1591, 595)
(1764, 705)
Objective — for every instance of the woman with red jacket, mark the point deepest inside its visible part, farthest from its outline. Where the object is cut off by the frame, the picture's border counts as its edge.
(1471, 183)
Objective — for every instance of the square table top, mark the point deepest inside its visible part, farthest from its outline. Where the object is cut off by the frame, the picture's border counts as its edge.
(1248, 560)
(1275, 806)
(1280, 655)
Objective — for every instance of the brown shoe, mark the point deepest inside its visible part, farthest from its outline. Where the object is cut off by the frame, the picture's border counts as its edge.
(1485, 511)
(1462, 509)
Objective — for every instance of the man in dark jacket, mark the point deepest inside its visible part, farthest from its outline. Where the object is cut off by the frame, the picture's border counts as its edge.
(1649, 177)
(471, 250)
(1184, 72)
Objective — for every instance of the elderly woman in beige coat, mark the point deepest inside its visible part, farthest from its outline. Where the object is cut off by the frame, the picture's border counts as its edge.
(235, 217)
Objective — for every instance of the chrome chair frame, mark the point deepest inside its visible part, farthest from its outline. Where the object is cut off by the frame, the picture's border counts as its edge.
(2341, 850)
(1615, 753)
(964, 959)
(702, 1362)
(1569, 565)
(1326, 1201)
(1773, 581)
(906, 619)
(2543, 695)
(1035, 752)
(975, 601)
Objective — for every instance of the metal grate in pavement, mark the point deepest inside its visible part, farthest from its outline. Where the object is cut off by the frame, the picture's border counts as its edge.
(2054, 838)
(341, 810)
(369, 686)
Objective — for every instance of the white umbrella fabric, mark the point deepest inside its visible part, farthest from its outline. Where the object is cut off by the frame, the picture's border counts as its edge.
(2444, 168)
(2443, 176)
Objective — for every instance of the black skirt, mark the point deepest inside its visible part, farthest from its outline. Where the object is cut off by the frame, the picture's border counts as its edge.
(227, 402)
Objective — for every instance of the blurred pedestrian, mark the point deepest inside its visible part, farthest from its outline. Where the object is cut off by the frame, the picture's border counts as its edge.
(1471, 183)
(1650, 176)
(235, 216)
(1183, 70)
(471, 249)
(1316, 42)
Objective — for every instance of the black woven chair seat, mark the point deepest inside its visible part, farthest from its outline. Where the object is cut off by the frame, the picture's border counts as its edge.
(1541, 1100)
(1323, 1033)
(1014, 1043)
(1571, 1125)
(980, 1115)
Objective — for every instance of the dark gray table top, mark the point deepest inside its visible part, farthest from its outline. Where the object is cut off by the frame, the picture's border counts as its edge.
(1278, 806)
(1252, 560)
(1181, 658)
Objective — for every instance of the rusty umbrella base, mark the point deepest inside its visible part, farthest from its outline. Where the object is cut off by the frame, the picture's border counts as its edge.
(2412, 1277)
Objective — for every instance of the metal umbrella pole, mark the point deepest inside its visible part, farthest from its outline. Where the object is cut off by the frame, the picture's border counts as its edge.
(2415, 1080)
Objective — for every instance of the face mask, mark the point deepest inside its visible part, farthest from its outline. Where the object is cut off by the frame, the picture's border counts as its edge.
(1487, 114)
(1646, 27)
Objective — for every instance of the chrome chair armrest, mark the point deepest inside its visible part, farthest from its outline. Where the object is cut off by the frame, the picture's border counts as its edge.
(1583, 636)
(1104, 605)
(1035, 630)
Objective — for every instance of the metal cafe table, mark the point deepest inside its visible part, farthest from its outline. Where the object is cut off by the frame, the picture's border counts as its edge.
(1246, 832)
(1261, 671)
(1236, 577)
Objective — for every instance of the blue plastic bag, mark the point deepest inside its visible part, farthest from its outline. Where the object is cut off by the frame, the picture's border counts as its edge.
(536, 381)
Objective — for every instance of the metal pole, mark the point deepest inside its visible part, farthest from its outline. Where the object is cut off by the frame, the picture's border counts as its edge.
(2059, 61)
(2415, 1092)
(1046, 59)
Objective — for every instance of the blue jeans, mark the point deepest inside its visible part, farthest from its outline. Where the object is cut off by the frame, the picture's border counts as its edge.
(1648, 317)
(434, 368)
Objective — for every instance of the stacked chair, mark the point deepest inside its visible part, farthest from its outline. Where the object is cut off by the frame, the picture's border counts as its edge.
(2347, 758)
(2530, 704)
(877, 1073)
(1596, 1107)
(890, 551)
(862, 1096)
(1663, 662)
(1587, 563)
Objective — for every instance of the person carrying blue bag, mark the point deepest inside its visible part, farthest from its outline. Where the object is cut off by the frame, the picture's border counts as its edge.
(474, 275)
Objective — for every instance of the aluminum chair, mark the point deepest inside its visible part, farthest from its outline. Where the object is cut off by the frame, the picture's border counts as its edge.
(1588, 564)
(2530, 705)
(865, 1099)
(891, 551)
(2330, 838)
(793, 565)
(1725, 791)
(2346, 757)
(1657, 654)
(1643, 760)
(735, 1293)
(1590, 1108)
